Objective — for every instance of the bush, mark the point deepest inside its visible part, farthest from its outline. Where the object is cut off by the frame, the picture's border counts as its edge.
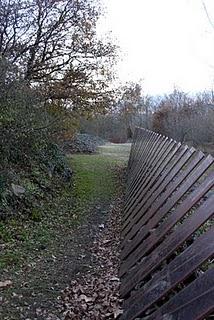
(30, 161)
(83, 143)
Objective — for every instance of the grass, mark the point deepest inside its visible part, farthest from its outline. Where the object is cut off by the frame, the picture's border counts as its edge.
(94, 181)
(119, 152)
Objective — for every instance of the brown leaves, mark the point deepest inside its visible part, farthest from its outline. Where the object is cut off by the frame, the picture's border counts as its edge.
(95, 296)
(5, 284)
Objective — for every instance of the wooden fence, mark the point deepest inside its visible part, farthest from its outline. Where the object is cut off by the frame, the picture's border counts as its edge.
(168, 233)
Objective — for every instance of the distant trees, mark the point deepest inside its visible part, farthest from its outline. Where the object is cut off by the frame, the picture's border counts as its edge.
(181, 116)
(185, 118)
(129, 105)
(110, 127)
(134, 107)
(131, 109)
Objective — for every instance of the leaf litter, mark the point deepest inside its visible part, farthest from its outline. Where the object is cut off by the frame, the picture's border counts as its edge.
(95, 294)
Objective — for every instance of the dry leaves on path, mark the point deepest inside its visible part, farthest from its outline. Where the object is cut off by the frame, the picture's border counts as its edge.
(95, 295)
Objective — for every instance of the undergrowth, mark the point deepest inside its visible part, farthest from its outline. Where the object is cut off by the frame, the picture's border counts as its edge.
(60, 207)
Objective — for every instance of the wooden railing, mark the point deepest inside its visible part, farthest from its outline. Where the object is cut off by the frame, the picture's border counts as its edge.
(168, 234)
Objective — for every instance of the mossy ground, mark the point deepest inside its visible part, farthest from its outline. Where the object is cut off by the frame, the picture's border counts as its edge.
(37, 250)
(23, 237)
(94, 178)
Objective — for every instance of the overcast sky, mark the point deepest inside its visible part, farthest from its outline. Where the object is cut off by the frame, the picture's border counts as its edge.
(166, 43)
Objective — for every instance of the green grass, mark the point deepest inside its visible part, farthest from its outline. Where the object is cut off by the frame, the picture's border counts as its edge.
(119, 152)
(10, 258)
(94, 181)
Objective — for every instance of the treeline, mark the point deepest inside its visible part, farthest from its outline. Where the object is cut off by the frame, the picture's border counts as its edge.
(181, 116)
(186, 118)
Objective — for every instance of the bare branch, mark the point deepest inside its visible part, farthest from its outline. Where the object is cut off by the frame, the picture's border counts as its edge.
(207, 14)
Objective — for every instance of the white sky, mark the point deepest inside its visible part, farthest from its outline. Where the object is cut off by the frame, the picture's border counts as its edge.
(166, 43)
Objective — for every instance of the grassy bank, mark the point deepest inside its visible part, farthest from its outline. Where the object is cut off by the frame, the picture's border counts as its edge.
(94, 181)
(39, 257)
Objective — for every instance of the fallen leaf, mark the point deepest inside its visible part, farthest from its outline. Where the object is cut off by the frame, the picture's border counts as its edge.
(4, 284)
(84, 297)
(115, 279)
(117, 312)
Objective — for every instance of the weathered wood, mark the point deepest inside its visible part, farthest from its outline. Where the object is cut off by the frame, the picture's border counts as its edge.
(177, 271)
(142, 196)
(169, 197)
(155, 205)
(160, 185)
(145, 165)
(181, 210)
(192, 303)
(143, 182)
(168, 246)
(141, 156)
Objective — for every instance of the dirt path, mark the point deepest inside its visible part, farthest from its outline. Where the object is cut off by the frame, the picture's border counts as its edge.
(36, 288)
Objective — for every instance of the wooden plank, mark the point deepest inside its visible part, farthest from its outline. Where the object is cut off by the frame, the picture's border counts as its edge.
(167, 225)
(155, 181)
(173, 148)
(144, 139)
(143, 181)
(138, 221)
(143, 148)
(174, 273)
(147, 165)
(142, 196)
(164, 180)
(144, 153)
(132, 151)
(146, 161)
(166, 248)
(185, 206)
(192, 303)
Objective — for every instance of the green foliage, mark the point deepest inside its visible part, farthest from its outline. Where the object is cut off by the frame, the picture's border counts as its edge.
(90, 171)
(9, 258)
(5, 235)
(62, 207)
(28, 155)
(36, 214)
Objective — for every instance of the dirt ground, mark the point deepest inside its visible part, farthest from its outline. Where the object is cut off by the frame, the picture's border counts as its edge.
(37, 291)
(37, 287)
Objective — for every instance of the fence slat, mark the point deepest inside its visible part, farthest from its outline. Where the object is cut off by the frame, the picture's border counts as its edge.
(147, 165)
(186, 205)
(156, 205)
(192, 303)
(182, 233)
(179, 163)
(167, 231)
(177, 271)
(142, 197)
(144, 181)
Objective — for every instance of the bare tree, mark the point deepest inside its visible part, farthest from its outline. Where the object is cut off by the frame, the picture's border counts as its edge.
(185, 118)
